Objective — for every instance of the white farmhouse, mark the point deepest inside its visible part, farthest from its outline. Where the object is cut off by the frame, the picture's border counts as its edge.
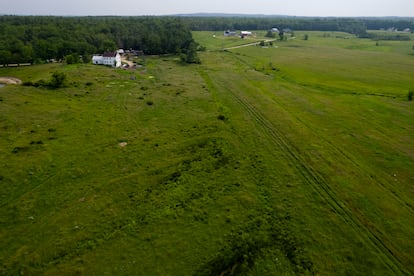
(108, 58)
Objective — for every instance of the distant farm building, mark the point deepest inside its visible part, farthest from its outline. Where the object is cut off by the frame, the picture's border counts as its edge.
(230, 33)
(108, 58)
(246, 33)
(243, 34)
(134, 52)
(275, 30)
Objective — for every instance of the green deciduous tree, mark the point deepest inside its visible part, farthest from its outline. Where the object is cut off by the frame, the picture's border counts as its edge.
(281, 35)
(192, 56)
(72, 59)
(5, 57)
(270, 34)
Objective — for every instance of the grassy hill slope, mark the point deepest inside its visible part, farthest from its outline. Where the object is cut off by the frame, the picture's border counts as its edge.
(295, 159)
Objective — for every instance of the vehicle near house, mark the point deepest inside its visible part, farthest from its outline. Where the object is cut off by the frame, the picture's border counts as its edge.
(230, 33)
(274, 30)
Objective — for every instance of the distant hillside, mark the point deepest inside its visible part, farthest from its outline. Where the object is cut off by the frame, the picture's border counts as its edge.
(204, 14)
(232, 15)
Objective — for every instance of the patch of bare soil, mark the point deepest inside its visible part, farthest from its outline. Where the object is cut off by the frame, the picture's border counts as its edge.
(10, 80)
(123, 144)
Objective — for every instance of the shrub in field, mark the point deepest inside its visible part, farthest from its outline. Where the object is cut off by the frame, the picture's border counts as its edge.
(28, 83)
(270, 34)
(410, 95)
(221, 117)
(57, 80)
(39, 83)
(243, 247)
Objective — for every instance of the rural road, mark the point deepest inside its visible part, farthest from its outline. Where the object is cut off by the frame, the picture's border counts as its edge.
(250, 44)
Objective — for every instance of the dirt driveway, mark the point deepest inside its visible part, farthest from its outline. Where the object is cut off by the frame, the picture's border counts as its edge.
(10, 80)
(130, 63)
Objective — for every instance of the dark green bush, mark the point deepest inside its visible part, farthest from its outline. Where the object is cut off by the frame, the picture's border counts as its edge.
(410, 95)
(57, 80)
(270, 34)
(221, 117)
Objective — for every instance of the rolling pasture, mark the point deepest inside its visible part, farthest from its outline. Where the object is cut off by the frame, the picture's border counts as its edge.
(293, 158)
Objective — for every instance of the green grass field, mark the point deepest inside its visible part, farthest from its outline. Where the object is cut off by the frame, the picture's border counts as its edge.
(294, 158)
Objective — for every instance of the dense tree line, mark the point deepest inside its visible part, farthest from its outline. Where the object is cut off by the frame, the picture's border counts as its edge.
(38, 38)
(350, 25)
(357, 26)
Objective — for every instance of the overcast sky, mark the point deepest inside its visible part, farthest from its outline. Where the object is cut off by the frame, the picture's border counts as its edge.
(166, 7)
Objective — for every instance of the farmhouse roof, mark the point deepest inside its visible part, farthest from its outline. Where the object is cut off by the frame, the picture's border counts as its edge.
(109, 54)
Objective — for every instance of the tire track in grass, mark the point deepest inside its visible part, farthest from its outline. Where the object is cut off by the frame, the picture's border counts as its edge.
(398, 252)
(395, 259)
(360, 224)
(369, 173)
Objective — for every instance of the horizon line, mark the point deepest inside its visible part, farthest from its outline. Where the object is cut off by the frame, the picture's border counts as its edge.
(213, 14)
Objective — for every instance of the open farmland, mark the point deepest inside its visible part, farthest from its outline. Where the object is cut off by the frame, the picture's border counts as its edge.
(294, 158)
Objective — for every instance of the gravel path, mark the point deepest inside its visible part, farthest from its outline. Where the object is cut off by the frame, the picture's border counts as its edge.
(10, 80)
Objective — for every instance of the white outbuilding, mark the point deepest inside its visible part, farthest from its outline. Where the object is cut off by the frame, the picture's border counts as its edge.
(245, 33)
